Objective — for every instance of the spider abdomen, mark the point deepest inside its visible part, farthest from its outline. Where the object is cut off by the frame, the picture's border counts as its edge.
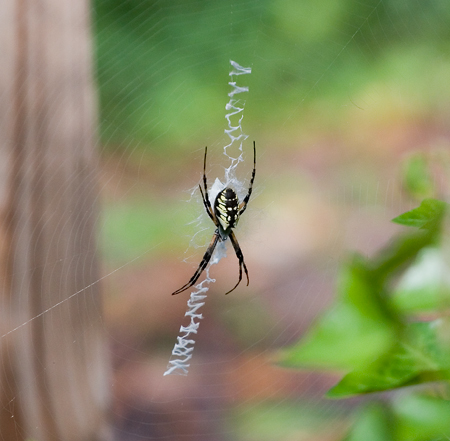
(226, 209)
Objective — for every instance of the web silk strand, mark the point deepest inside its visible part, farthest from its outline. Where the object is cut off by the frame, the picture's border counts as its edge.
(184, 347)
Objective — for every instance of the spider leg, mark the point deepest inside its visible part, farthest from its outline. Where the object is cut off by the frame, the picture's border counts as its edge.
(240, 256)
(208, 208)
(206, 198)
(244, 203)
(203, 263)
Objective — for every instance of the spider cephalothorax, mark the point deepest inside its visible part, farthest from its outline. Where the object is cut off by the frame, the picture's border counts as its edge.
(225, 216)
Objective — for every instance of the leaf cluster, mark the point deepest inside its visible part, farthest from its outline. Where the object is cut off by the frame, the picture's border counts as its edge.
(387, 330)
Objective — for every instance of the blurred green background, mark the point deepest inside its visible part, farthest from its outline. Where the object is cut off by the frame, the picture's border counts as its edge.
(340, 95)
(163, 67)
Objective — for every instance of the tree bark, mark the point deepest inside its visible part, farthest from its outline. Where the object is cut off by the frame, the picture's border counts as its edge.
(53, 369)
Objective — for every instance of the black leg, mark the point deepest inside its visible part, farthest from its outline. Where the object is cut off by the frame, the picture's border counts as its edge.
(203, 263)
(240, 256)
(244, 203)
(206, 198)
(208, 209)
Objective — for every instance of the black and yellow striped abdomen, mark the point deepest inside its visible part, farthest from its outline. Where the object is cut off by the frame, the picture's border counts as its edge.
(226, 209)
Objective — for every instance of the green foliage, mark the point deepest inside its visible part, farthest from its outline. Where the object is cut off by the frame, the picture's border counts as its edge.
(428, 215)
(411, 417)
(425, 285)
(363, 324)
(417, 356)
(377, 333)
(356, 330)
(421, 417)
(372, 424)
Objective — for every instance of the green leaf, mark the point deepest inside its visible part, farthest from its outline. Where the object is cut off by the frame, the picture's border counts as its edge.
(373, 423)
(417, 358)
(421, 417)
(352, 333)
(400, 252)
(428, 215)
(425, 286)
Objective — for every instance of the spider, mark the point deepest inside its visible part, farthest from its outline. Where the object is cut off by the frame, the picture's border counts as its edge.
(225, 216)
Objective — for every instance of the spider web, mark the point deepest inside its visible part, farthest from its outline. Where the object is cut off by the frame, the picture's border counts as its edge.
(183, 349)
(339, 93)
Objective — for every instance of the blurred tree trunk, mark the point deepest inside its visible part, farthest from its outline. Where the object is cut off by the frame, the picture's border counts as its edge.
(53, 369)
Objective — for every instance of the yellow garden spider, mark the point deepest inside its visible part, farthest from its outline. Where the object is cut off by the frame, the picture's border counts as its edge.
(225, 216)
